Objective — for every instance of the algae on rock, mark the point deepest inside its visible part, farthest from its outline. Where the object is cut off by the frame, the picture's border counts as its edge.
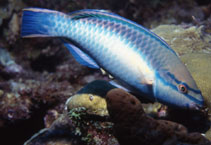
(184, 39)
(194, 49)
(200, 67)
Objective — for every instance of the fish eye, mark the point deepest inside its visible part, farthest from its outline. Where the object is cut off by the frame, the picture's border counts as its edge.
(182, 88)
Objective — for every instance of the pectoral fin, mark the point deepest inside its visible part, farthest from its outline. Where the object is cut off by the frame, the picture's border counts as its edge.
(81, 56)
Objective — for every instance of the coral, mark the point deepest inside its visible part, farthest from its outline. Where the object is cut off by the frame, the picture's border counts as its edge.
(14, 107)
(74, 127)
(82, 121)
(60, 133)
(192, 45)
(133, 126)
(199, 66)
(50, 117)
(92, 98)
(10, 17)
(88, 111)
(8, 66)
(94, 104)
(184, 39)
(5, 58)
(13, 31)
(27, 101)
(154, 109)
(7, 7)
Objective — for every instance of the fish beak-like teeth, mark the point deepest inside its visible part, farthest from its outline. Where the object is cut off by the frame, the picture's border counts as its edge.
(194, 106)
(203, 109)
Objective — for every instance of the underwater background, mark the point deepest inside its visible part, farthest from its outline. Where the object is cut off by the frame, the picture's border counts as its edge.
(38, 75)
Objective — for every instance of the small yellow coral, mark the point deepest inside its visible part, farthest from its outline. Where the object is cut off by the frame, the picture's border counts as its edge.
(94, 104)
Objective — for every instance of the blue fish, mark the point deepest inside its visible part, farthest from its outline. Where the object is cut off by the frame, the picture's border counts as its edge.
(139, 59)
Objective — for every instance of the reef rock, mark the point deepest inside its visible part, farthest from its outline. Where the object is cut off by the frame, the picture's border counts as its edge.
(193, 46)
(200, 67)
(7, 7)
(184, 39)
(73, 128)
(94, 104)
(84, 120)
(8, 66)
(133, 126)
(92, 98)
(60, 133)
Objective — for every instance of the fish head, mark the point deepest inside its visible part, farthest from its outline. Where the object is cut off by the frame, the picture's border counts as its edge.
(178, 89)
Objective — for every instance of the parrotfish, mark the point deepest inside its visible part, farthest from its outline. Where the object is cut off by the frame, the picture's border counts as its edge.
(136, 57)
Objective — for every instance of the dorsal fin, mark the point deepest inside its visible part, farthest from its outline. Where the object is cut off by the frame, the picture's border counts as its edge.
(93, 13)
(87, 13)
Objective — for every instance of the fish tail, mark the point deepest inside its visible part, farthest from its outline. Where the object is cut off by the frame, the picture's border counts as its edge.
(38, 22)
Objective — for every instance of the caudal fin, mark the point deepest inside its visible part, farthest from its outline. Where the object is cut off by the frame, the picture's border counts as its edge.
(37, 22)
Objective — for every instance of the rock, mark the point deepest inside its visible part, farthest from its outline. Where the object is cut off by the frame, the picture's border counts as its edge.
(75, 127)
(88, 110)
(8, 65)
(208, 134)
(200, 67)
(84, 121)
(50, 117)
(92, 129)
(24, 103)
(14, 28)
(9, 16)
(194, 48)
(133, 126)
(5, 58)
(94, 104)
(7, 7)
(154, 109)
(1, 93)
(60, 133)
(92, 98)
(184, 39)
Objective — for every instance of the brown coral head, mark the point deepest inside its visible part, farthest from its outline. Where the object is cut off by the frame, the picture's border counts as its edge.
(121, 104)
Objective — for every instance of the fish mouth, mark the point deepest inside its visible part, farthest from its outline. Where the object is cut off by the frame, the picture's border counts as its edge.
(194, 106)
(205, 110)
(202, 108)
